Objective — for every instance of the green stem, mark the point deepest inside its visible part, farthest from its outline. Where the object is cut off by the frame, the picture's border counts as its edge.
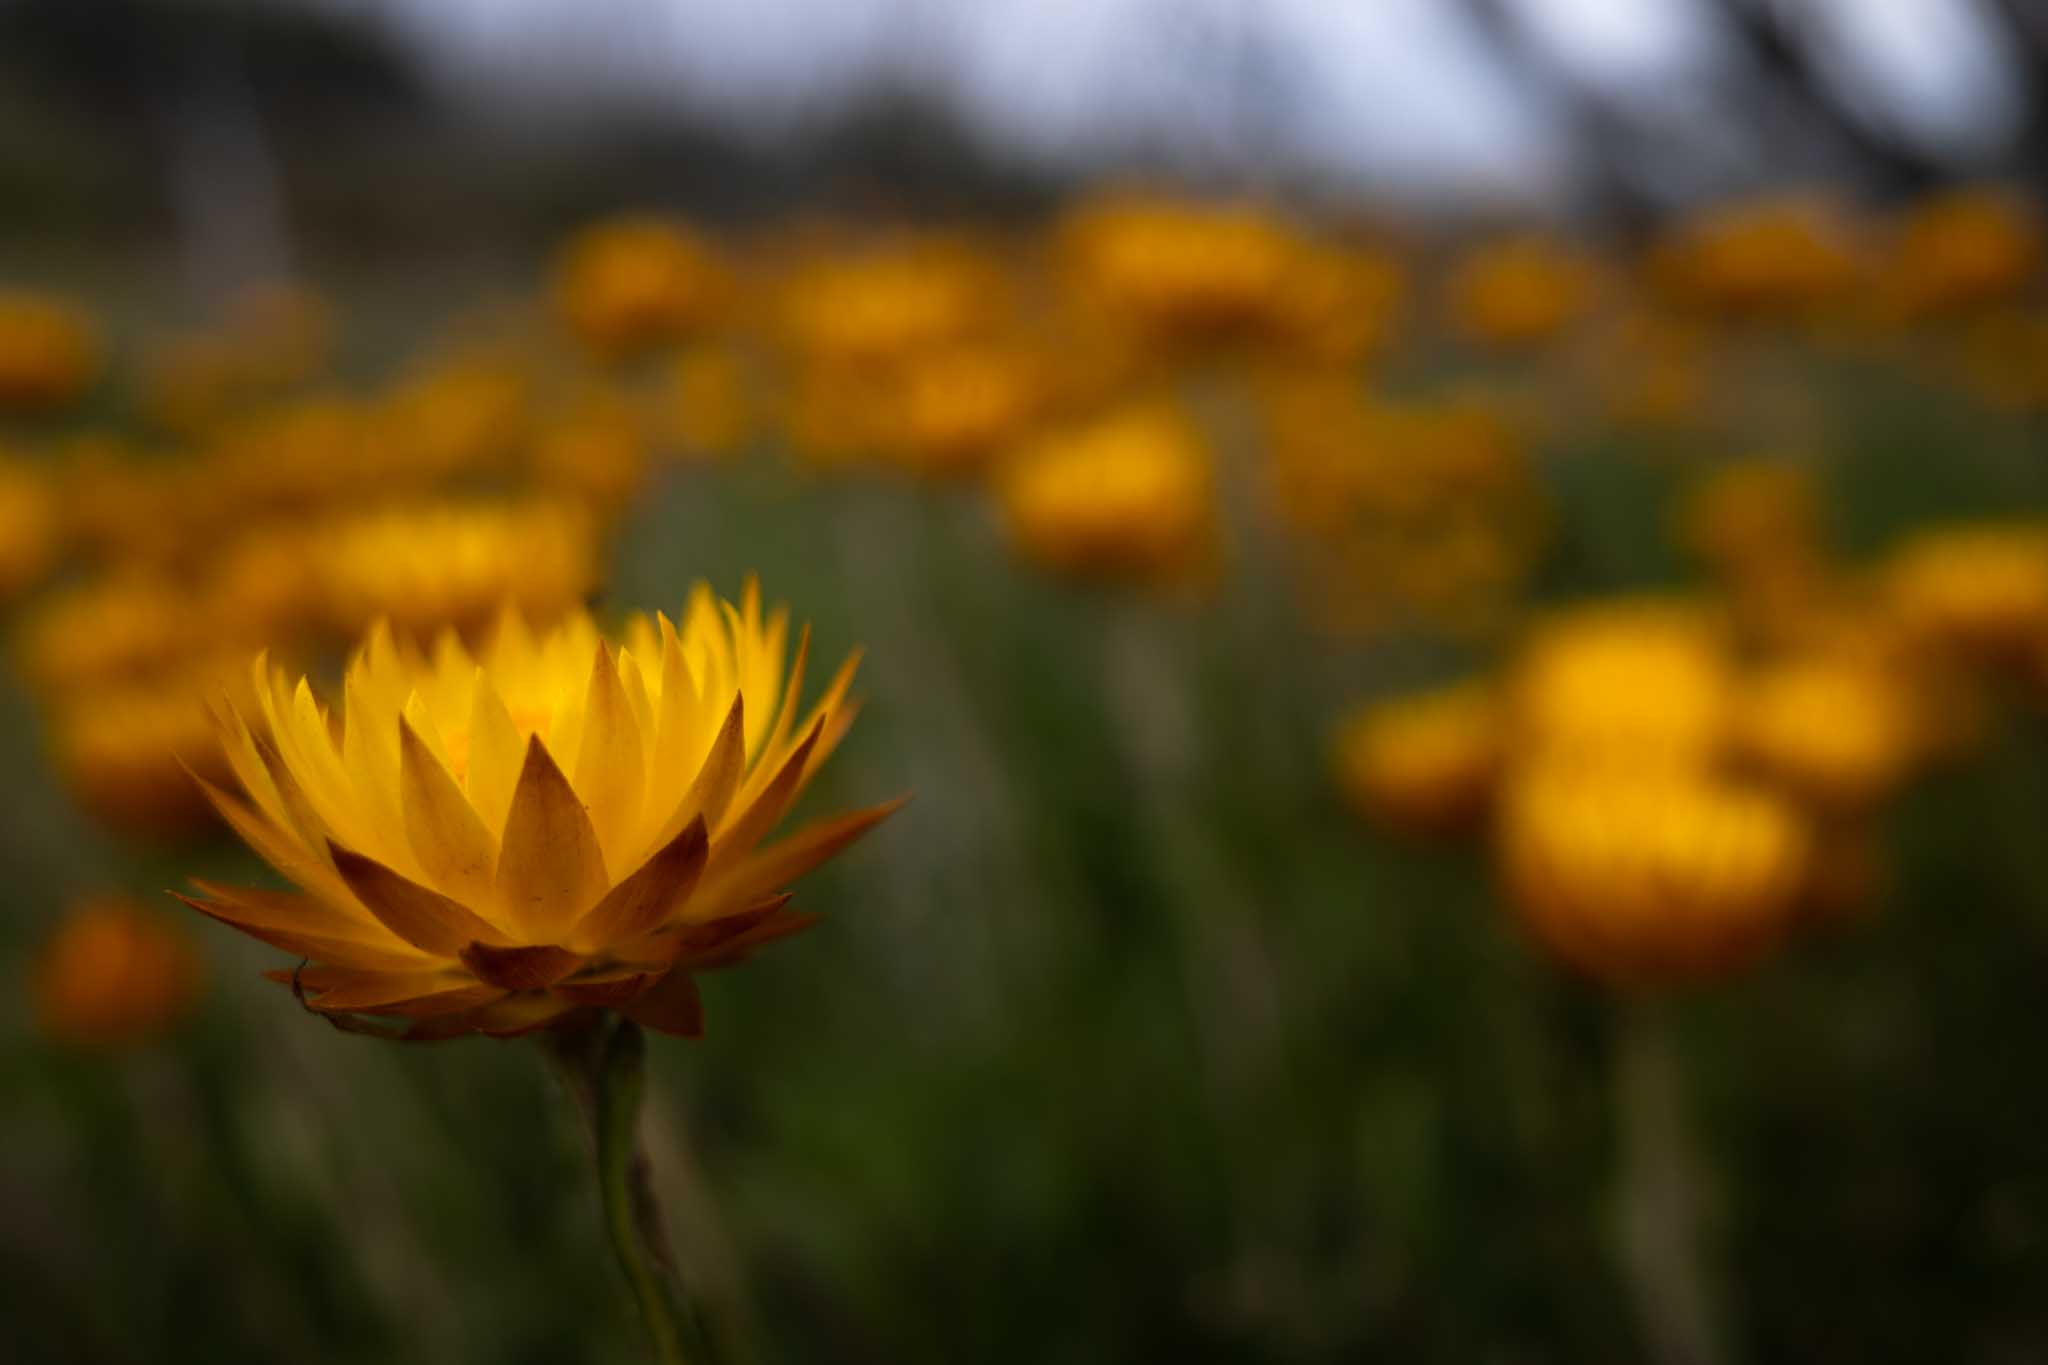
(1657, 1194)
(605, 1073)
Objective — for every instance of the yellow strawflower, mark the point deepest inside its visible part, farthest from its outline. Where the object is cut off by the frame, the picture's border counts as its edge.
(557, 824)
(1650, 878)
(1837, 731)
(1631, 685)
(1777, 257)
(1179, 270)
(1980, 587)
(1127, 496)
(1425, 762)
(451, 563)
(1520, 291)
(631, 284)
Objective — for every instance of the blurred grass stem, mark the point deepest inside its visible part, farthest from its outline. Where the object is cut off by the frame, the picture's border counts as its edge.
(604, 1070)
(1657, 1193)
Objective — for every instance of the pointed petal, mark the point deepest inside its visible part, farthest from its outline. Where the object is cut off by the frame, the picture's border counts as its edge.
(448, 837)
(747, 825)
(549, 867)
(671, 1005)
(274, 846)
(639, 904)
(520, 969)
(335, 951)
(611, 766)
(608, 988)
(495, 753)
(784, 861)
(426, 919)
(719, 777)
(346, 990)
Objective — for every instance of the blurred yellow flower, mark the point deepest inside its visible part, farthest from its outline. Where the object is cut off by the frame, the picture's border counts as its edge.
(594, 455)
(49, 352)
(125, 750)
(1520, 291)
(1424, 763)
(1130, 495)
(1626, 686)
(114, 975)
(558, 824)
(1835, 731)
(1961, 250)
(1339, 305)
(1177, 269)
(1780, 257)
(947, 410)
(428, 565)
(880, 304)
(124, 625)
(631, 284)
(711, 407)
(30, 531)
(1647, 879)
(1980, 587)
(1754, 513)
(461, 416)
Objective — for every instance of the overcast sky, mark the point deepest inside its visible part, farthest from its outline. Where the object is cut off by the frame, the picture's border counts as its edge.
(1398, 96)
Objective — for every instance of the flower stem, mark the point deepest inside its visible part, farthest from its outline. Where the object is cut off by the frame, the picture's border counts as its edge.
(1657, 1193)
(605, 1073)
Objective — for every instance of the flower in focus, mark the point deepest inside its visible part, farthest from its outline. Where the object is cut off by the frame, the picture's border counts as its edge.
(1425, 762)
(1519, 292)
(557, 824)
(114, 975)
(30, 534)
(451, 563)
(1646, 879)
(1980, 588)
(632, 284)
(49, 352)
(1130, 495)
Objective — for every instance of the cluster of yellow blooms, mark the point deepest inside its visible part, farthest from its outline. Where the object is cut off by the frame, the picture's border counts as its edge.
(247, 494)
(1424, 511)
(1669, 782)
